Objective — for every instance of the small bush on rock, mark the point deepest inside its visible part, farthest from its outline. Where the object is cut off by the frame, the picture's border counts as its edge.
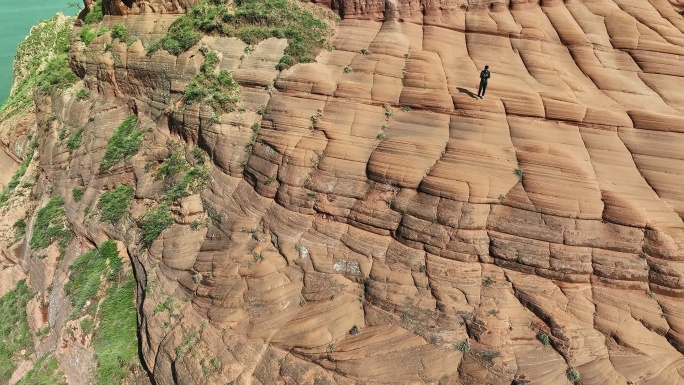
(114, 203)
(543, 338)
(14, 329)
(219, 91)
(96, 13)
(154, 222)
(123, 144)
(74, 141)
(50, 225)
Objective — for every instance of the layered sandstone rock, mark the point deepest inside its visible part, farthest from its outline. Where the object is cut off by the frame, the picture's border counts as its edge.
(385, 216)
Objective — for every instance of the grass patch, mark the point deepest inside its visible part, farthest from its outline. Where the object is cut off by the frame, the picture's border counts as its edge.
(220, 91)
(96, 13)
(77, 193)
(154, 222)
(56, 76)
(14, 181)
(123, 144)
(173, 165)
(86, 273)
(89, 34)
(194, 180)
(74, 141)
(116, 338)
(120, 32)
(50, 225)
(82, 94)
(14, 330)
(45, 372)
(252, 21)
(47, 39)
(19, 229)
(114, 203)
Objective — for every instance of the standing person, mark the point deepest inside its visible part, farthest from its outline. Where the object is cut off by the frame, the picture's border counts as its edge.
(484, 75)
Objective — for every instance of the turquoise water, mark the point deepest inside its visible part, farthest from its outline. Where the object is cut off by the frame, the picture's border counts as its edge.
(16, 19)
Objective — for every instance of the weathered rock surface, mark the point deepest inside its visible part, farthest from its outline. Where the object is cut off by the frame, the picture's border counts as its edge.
(385, 216)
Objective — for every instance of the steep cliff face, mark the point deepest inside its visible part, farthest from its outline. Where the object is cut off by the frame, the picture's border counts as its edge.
(360, 217)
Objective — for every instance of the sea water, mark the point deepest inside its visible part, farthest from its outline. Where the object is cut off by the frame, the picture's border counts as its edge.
(16, 19)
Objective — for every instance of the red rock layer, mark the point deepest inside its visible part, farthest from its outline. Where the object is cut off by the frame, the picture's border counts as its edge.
(381, 195)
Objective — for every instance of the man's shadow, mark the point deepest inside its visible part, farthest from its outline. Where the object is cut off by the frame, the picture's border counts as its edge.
(465, 91)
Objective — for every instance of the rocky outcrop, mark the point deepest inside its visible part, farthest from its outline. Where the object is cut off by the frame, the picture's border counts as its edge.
(367, 220)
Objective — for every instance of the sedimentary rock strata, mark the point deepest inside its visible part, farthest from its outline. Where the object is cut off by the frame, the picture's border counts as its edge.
(386, 226)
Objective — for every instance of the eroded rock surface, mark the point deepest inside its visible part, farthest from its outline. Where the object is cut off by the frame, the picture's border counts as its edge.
(390, 228)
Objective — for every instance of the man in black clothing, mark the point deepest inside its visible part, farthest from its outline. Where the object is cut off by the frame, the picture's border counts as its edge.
(484, 75)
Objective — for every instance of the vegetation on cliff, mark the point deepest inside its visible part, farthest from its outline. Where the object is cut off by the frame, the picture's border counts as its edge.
(114, 203)
(115, 319)
(219, 91)
(40, 63)
(123, 144)
(251, 21)
(50, 225)
(154, 222)
(45, 372)
(95, 14)
(15, 337)
(14, 181)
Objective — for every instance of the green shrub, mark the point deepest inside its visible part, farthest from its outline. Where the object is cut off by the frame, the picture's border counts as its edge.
(173, 165)
(50, 225)
(252, 21)
(198, 155)
(86, 272)
(19, 229)
(194, 181)
(82, 94)
(573, 374)
(77, 193)
(74, 141)
(87, 324)
(519, 173)
(45, 372)
(56, 76)
(463, 346)
(14, 330)
(154, 222)
(543, 338)
(96, 13)
(123, 144)
(114, 203)
(120, 32)
(14, 181)
(87, 35)
(220, 91)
